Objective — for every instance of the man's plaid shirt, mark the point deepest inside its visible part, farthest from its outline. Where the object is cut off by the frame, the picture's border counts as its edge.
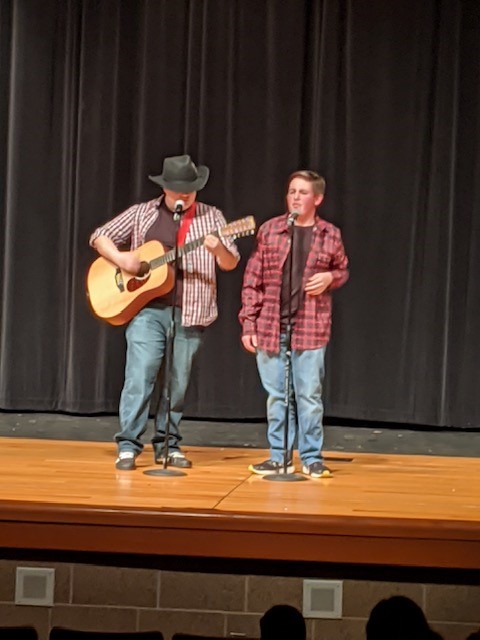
(262, 284)
(199, 305)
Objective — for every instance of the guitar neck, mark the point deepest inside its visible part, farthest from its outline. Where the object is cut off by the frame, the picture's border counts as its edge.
(169, 256)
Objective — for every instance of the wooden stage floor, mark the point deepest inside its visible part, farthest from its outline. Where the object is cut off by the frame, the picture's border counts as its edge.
(394, 510)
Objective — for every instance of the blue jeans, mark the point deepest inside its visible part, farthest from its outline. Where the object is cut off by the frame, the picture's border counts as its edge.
(146, 343)
(306, 406)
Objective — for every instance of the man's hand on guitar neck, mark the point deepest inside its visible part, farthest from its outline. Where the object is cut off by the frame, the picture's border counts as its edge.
(126, 260)
(225, 260)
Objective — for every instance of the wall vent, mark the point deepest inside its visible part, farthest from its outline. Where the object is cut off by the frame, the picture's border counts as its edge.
(34, 586)
(322, 598)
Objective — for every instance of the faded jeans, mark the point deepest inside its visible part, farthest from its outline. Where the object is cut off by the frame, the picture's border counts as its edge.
(307, 374)
(146, 337)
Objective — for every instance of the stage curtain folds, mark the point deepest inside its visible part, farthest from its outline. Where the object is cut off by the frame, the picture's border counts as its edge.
(381, 97)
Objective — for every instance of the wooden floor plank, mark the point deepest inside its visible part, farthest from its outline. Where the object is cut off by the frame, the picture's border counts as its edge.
(394, 485)
(404, 509)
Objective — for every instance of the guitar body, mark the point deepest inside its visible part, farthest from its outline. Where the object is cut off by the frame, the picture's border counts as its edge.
(117, 296)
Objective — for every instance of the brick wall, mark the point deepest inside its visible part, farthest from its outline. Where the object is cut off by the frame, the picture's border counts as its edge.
(131, 599)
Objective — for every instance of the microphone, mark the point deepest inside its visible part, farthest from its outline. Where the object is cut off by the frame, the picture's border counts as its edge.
(292, 217)
(179, 204)
(178, 209)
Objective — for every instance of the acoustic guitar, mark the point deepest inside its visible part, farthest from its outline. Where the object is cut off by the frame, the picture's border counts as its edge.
(117, 296)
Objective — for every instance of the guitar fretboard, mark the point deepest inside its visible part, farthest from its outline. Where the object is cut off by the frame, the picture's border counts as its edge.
(169, 256)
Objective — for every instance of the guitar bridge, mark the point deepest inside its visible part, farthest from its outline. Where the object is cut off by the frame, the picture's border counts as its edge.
(119, 280)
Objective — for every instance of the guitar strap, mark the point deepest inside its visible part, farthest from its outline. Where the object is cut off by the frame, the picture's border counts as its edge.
(188, 216)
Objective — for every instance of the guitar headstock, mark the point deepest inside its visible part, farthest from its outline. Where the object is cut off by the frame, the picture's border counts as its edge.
(239, 228)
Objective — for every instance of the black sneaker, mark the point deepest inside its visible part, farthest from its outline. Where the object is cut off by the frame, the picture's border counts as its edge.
(126, 461)
(316, 470)
(270, 466)
(175, 459)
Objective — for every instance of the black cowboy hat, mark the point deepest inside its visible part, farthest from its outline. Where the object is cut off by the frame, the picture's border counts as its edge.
(181, 175)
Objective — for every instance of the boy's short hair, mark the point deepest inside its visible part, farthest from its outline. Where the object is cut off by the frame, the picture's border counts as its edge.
(317, 181)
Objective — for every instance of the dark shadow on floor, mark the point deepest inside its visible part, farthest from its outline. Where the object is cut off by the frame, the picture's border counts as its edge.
(358, 437)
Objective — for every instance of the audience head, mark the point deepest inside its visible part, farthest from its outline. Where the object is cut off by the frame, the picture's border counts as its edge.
(282, 622)
(399, 618)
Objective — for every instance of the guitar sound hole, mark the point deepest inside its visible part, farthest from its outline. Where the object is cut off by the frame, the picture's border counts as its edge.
(134, 283)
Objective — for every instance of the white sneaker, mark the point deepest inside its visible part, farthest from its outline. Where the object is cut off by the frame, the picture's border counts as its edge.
(178, 459)
(126, 461)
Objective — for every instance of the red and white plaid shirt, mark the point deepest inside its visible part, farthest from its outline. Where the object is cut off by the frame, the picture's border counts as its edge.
(199, 303)
(262, 284)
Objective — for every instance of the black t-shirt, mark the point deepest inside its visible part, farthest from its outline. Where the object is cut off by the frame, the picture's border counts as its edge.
(302, 241)
(164, 229)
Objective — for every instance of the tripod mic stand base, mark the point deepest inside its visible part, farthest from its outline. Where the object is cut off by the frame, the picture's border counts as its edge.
(284, 477)
(164, 472)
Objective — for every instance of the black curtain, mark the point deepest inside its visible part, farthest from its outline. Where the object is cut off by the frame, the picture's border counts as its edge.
(381, 96)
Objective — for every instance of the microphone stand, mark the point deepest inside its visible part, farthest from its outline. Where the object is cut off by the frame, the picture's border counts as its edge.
(169, 347)
(284, 476)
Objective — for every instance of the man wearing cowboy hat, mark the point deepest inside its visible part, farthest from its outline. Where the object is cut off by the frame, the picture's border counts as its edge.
(195, 303)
